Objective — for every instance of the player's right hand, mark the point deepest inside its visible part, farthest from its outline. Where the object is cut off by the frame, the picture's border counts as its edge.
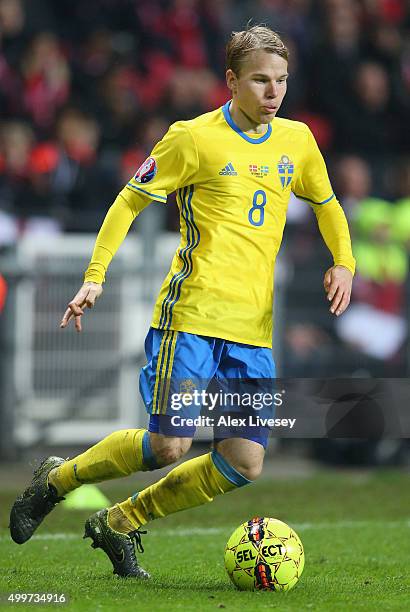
(86, 297)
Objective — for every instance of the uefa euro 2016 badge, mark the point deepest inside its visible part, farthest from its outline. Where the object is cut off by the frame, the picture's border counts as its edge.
(285, 171)
(146, 171)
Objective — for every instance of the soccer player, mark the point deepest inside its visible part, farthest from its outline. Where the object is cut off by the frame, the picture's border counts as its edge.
(233, 169)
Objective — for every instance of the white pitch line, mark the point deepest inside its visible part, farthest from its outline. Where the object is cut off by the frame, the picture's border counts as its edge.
(207, 531)
(350, 525)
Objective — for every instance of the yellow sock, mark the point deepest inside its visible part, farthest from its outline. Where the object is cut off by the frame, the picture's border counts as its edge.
(119, 454)
(190, 484)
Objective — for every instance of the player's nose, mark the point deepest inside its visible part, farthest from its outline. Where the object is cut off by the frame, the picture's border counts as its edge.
(272, 90)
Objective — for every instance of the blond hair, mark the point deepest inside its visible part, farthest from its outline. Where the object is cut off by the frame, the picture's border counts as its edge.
(254, 37)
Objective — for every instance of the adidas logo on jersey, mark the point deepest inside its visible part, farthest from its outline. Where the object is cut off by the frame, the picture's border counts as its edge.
(229, 170)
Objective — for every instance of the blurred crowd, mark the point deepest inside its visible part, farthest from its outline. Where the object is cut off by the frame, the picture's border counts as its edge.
(87, 89)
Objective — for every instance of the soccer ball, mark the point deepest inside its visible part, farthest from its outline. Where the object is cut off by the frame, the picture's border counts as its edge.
(264, 554)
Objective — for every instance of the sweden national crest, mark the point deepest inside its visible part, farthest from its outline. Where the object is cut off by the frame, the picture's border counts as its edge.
(285, 171)
(187, 386)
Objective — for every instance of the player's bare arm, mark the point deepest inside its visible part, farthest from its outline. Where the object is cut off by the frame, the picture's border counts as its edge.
(85, 298)
(338, 286)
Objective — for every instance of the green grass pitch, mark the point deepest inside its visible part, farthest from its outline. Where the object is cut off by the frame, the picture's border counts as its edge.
(355, 529)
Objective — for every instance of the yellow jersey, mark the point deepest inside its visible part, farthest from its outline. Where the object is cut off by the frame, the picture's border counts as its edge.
(233, 190)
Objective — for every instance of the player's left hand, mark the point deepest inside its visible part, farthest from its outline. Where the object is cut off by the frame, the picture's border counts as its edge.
(338, 286)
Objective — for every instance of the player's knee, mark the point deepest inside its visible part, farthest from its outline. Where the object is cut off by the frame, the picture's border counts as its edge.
(169, 450)
(170, 453)
(251, 471)
(245, 456)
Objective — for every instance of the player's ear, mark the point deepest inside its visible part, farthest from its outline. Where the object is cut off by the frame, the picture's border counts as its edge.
(231, 80)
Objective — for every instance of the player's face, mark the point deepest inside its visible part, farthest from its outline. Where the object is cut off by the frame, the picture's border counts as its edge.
(260, 87)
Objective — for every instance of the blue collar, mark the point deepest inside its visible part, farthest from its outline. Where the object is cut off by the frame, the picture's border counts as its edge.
(230, 122)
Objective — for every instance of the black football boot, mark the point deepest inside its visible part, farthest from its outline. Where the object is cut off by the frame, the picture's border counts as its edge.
(119, 547)
(33, 505)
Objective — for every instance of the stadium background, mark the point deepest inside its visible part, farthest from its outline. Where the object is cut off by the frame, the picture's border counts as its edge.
(86, 89)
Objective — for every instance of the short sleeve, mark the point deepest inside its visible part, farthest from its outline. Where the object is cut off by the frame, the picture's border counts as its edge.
(312, 182)
(171, 165)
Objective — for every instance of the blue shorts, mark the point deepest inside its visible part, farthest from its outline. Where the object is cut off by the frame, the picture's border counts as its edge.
(182, 364)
